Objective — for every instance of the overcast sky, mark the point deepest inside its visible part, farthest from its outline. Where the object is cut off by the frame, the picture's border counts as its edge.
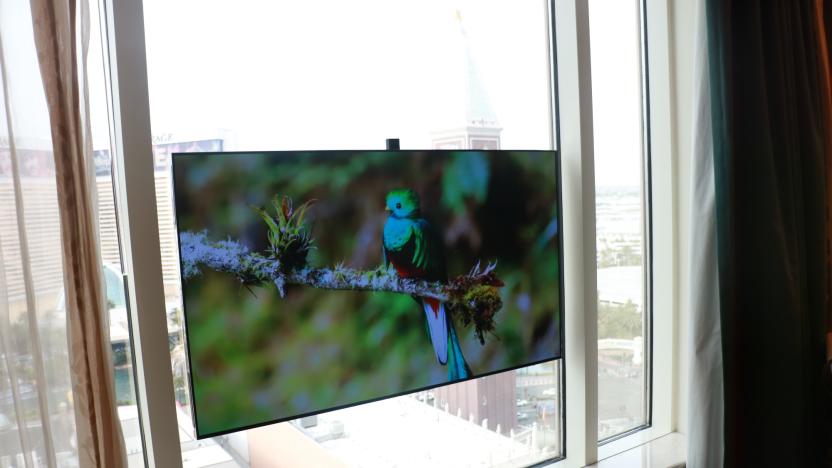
(328, 74)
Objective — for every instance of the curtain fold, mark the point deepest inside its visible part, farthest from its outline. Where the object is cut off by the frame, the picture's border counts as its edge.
(705, 424)
(57, 37)
(770, 129)
(823, 14)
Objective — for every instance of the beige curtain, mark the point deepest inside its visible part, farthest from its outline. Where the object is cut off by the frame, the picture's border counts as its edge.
(35, 397)
(60, 29)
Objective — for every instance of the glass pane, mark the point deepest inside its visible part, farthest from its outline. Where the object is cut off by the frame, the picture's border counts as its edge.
(615, 35)
(516, 415)
(120, 339)
(347, 75)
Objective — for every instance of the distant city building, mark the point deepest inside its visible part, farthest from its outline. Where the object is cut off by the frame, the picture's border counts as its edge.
(489, 402)
(163, 147)
(40, 220)
(39, 195)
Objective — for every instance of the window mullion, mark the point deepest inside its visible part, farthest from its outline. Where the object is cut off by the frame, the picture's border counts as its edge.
(139, 230)
(574, 104)
(664, 256)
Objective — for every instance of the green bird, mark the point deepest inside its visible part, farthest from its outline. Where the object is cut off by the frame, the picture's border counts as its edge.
(415, 250)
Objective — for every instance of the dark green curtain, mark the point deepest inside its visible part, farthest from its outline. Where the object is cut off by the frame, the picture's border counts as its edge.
(770, 134)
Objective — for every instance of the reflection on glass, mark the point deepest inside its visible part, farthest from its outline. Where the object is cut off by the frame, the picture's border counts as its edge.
(617, 113)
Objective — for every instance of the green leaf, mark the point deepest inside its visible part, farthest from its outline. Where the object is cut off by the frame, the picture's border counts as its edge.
(287, 207)
(267, 218)
(279, 209)
(301, 212)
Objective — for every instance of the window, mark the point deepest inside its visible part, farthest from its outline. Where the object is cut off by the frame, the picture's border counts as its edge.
(110, 245)
(348, 75)
(621, 204)
(28, 336)
(324, 75)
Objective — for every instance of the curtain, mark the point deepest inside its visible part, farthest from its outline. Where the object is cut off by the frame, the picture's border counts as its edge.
(823, 9)
(59, 30)
(36, 403)
(705, 423)
(56, 374)
(769, 118)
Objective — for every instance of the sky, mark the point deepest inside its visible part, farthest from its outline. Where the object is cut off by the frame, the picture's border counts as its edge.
(616, 92)
(329, 74)
(27, 102)
(335, 74)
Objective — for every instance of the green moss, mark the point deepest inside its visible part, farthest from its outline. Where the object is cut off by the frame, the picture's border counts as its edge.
(478, 306)
(485, 298)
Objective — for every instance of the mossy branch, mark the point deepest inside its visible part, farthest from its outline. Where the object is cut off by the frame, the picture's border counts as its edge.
(474, 297)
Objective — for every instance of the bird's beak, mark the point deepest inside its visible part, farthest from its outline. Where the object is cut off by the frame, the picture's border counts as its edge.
(387, 209)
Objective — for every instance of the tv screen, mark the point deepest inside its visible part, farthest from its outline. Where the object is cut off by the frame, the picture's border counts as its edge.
(313, 281)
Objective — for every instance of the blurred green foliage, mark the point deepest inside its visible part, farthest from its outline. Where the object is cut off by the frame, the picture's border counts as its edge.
(622, 321)
(465, 178)
(256, 357)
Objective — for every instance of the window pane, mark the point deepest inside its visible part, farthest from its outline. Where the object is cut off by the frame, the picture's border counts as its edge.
(510, 418)
(120, 339)
(347, 75)
(615, 37)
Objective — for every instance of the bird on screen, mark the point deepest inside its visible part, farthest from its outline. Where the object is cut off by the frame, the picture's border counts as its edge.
(414, 249)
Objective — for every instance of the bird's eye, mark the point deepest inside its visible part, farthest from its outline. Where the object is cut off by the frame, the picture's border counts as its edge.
(398, 206)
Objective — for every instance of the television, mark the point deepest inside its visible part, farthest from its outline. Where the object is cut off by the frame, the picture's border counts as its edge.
(318, 280)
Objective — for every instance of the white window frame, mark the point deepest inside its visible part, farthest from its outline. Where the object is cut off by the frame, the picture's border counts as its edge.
(124, 32)
(663, 236)
(139, 229)
(664, 252)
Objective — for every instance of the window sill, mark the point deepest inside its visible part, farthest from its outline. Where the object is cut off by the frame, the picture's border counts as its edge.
(666, 451)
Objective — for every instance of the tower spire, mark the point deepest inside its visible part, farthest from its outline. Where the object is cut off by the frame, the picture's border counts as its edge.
(458, 15)
(475, 124)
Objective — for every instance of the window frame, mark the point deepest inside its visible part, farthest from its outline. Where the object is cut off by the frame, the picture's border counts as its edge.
(662, 287)
(138, 229)
(572, 103)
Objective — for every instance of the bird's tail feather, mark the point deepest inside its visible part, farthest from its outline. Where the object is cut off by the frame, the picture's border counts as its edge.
(457, 367)
(437, 327)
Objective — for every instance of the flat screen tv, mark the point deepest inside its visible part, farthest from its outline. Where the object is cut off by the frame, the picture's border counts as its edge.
(318, 280)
